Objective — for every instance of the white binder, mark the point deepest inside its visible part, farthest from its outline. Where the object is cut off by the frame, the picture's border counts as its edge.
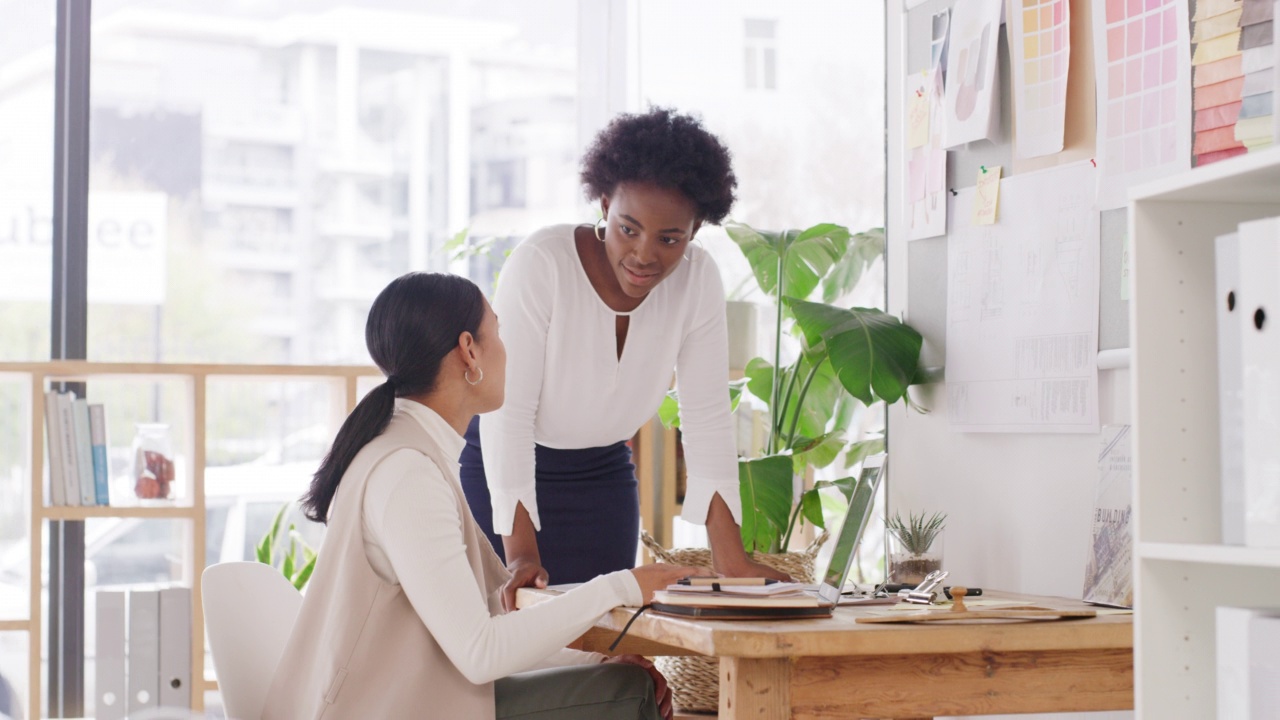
(110, 690)
(144, 650)
(175, 647)
(1260, 352)
(1229, 303)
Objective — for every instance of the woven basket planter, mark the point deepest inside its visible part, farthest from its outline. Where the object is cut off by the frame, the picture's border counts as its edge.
(695, 679)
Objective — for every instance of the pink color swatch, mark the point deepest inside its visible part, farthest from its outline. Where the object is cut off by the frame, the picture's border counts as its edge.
(1142, 45)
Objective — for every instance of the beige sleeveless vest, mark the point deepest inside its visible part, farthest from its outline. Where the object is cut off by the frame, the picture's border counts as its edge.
(358, 649)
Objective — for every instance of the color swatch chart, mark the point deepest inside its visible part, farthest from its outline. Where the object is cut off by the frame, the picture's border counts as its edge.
(1232, 79)
(1041, 56)
(1143, 84)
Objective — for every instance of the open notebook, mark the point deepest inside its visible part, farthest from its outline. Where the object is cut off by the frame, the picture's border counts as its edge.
(779, 600)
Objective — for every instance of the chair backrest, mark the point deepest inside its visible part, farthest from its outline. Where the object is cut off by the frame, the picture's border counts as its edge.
(249, 612)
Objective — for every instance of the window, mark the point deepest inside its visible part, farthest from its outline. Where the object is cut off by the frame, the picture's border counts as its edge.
(761, 54)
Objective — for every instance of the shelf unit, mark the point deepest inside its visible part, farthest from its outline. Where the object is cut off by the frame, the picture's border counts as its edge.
(1182, 570)
(344, 382)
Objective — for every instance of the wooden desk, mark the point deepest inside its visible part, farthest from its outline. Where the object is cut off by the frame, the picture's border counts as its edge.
(837, 668)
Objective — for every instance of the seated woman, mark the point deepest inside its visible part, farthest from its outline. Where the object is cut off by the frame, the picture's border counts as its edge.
(402, 617)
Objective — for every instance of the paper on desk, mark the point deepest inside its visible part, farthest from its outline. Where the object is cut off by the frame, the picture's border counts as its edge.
(907, 607)
(1022, 308)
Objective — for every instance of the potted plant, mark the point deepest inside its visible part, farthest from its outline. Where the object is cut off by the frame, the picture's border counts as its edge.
(298, 562)
(846, 359)
(914, 550)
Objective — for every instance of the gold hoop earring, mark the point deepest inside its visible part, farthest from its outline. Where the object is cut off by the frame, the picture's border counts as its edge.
(599, 229)
(467, 376)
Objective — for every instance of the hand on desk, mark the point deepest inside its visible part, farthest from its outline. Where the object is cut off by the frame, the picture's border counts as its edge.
(660, 689)
(660, 575)
(524, 573)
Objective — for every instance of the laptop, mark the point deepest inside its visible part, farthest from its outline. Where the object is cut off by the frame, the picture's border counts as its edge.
(849, 533)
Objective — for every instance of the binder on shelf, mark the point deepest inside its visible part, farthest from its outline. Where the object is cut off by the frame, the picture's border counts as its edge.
(70, 473)
(53, 448)
(84, 452)
(1230, 303)
(110, 688)
(175, 647)
(144, 650)
(1259, 346)
(1264, 665)
(98, 444)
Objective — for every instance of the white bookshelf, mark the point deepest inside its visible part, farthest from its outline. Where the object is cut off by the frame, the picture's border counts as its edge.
(1182, 571)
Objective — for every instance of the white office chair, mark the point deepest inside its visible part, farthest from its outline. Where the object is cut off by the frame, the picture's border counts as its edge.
(249, 611)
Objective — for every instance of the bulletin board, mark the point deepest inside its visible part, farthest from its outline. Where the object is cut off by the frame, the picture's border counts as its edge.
(927, 259)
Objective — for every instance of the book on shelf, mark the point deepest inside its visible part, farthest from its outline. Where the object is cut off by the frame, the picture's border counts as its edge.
(98, 444)
(53, 434)
(70, 471)
(84, 452)
(1108, 578)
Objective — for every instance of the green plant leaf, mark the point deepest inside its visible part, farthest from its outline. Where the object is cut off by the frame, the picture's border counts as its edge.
(819, 403)
(287, 567)
(263, 550)
(863, 250)
(846, 486)
(857, 452)
(875, 355)
(818, 452)
(765, 485)
(300, 580)
(808, 255)
(759, 377)
(811, 505)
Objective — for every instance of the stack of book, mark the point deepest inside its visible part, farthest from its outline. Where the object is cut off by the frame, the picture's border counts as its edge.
(76, 433)
(143, 651)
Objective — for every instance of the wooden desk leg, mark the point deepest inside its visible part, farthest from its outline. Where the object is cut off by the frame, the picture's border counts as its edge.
(755, 689)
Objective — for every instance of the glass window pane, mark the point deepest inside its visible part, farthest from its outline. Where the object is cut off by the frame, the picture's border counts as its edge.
(14, 676)
(15, 497)
(259, 171)
(26, 178)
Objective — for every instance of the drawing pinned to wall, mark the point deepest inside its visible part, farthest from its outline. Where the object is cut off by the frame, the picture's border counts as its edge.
(972, 77)
(986, 196)
(1143, 89)
(927, 163)
(938, 42)
(1040, 32)
(1022, 308)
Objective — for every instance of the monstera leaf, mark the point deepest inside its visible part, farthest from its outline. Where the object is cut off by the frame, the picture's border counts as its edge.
(874, 354)
(765, 485)
(805, 256)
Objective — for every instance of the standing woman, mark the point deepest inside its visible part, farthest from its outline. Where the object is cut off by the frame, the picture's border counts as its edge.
(596, 319)
(400, 618)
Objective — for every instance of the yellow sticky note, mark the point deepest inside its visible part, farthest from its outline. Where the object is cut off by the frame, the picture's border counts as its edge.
(917, 120)
(987, 198)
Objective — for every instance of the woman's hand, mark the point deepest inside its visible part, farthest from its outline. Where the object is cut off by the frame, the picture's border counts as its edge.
(660, 575)
(727, 555)
(661, 691)
(524, 573)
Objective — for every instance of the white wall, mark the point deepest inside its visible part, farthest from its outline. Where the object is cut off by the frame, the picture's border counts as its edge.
(1018, 505)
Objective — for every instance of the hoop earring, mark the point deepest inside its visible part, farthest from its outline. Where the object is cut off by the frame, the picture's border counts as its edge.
(467, 376)
(599, 230)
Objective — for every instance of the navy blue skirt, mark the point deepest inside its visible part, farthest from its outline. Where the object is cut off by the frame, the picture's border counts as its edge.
(588, 503)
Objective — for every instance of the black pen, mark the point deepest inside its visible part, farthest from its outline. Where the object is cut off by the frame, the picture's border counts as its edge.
(892, 588)
(698, 581)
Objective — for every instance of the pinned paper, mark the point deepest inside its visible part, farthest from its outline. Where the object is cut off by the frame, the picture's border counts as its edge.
(986, 200)
(917, 119)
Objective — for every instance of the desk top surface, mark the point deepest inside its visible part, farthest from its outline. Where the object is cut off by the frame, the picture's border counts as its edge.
(842, 635)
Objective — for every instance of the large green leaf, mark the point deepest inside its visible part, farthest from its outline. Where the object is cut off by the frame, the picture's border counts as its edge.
(818, 452)
(862, 251)
(874, 354)
(765, 484)
(807, 255)
(811, 505)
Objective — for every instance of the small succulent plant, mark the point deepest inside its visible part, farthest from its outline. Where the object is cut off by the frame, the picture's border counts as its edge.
(917, 532)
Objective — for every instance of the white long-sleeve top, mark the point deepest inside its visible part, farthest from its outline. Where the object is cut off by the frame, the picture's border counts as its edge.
(413, 537)
(568, 389)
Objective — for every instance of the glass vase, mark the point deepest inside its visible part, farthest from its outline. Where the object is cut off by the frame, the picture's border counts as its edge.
(152, 462)
(909, 566)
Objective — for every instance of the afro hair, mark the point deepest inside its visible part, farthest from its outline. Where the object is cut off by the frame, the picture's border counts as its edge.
(668, 149)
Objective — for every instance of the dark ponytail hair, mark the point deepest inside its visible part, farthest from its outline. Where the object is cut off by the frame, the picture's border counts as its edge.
(413, 324)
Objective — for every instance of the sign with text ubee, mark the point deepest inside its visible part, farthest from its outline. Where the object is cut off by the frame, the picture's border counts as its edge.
(127, 237)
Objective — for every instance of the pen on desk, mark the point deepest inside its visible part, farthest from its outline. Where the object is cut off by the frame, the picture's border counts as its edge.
(892, 588)
(700, 581)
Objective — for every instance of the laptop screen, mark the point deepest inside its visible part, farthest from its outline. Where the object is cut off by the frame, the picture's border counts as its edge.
(855, 521)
